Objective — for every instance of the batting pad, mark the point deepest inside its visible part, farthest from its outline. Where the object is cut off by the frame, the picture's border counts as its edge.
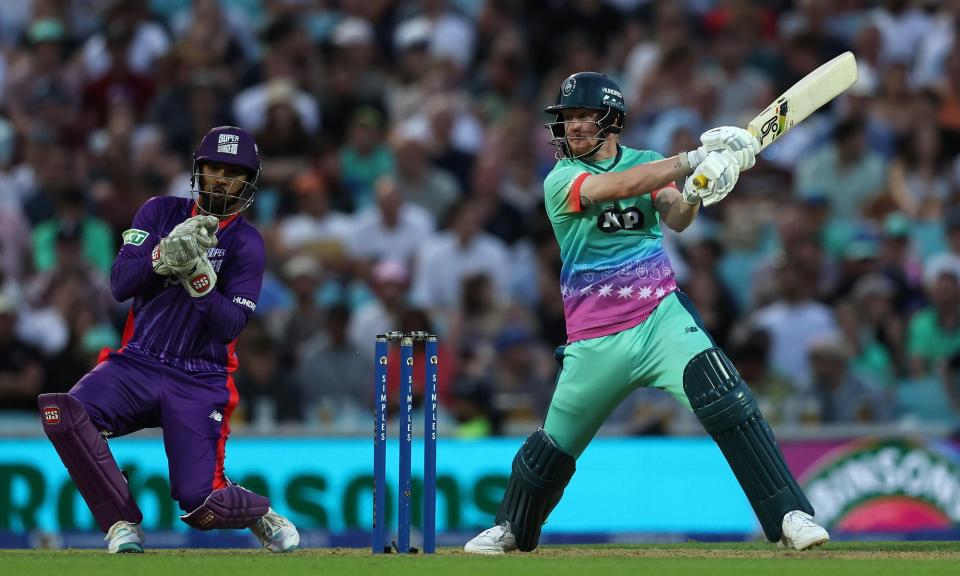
(541, 471)
(728, 411)
(88, 460)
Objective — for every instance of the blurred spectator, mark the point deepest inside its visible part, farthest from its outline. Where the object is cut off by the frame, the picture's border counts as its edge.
(917, 177)
(119, 81)
(265, 400)
(144, 40)
(393, 228)
(72, 216)
(451, 36)
(794, 321)
(846, 172)
(315, 227)
(840, 395)
(523, 375)
(291, 328)
(14, 241)
(334, 377)
(934, 332)
(422, 183)
(463, 250)
(364, 158)
(390, 282)
(21, 368)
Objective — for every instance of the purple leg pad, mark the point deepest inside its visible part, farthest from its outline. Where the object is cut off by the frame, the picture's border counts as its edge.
(88, 460)
(230, 507)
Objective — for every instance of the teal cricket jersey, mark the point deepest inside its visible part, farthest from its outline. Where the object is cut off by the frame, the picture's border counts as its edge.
(615, 270)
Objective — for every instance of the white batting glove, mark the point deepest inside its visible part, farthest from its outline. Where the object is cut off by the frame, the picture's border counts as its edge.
(737, 140)
(721, 171)
(741, 142)
(201, 279)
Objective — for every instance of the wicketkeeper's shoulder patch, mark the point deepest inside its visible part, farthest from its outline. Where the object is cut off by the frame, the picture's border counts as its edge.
(134, 236)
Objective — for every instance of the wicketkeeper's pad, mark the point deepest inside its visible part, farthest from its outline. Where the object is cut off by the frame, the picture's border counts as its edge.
(88, 460)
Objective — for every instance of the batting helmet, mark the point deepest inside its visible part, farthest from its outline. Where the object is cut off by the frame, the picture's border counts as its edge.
(593, 91)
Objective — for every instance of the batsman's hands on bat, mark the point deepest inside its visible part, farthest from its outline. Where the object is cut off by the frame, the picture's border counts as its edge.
(720, 170)
(201, 279)
(740, 142)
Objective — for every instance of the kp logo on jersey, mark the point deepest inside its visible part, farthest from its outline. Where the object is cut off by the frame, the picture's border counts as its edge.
(614, 220)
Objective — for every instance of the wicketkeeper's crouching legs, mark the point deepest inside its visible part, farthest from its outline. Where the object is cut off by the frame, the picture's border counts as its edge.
(88, 460)
(725, 406)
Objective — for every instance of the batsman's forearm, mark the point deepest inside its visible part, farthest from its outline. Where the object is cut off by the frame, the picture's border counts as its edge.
(223, 318)
(131, 275)
(681, 214)
(636, 181)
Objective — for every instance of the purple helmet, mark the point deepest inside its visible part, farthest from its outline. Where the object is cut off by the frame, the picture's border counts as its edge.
(233, 146)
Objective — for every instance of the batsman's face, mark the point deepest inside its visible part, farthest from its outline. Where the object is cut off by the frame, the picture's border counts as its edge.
(581, 128)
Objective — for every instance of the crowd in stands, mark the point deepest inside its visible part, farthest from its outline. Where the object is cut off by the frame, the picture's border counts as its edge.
(403, 157)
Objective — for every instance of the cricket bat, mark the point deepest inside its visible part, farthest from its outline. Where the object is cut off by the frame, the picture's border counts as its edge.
(800, 100)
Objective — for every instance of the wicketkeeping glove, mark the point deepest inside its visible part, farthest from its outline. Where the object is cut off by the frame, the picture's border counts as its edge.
(175, 254)
(201, 279)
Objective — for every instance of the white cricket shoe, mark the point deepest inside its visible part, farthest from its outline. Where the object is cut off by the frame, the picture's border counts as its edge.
(276, 533)
(496, 540)
(125, 538)
(801, 532)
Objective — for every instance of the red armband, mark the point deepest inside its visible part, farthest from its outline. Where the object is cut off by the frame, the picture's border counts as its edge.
(575, 192)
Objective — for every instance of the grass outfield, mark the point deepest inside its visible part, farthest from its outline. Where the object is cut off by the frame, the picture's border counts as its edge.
(753, 559)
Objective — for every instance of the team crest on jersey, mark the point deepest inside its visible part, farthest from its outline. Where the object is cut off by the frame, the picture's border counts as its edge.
(614, 220)
(135, 237)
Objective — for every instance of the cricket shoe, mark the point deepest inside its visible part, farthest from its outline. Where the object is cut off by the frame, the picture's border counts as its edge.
(125, 538)
(801, 532)
(496, 540)
(276, 533)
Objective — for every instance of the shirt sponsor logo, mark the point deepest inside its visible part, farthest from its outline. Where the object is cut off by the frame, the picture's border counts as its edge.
(228, 144)
(614, 220)
(244, 302)
(135, 237)
(51, 415)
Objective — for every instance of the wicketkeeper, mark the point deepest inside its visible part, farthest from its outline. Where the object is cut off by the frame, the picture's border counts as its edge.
(628, 325)
(194, 270)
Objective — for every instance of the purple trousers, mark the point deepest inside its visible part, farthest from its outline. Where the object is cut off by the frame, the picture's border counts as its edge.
(129, 391)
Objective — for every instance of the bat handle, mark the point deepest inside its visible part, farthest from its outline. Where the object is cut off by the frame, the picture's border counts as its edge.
(700, 181)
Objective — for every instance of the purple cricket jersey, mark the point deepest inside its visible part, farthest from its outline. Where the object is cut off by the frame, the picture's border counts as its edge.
(166, 323)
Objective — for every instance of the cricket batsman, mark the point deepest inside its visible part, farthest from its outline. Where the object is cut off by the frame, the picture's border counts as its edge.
(194, 270)
(629, 325)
